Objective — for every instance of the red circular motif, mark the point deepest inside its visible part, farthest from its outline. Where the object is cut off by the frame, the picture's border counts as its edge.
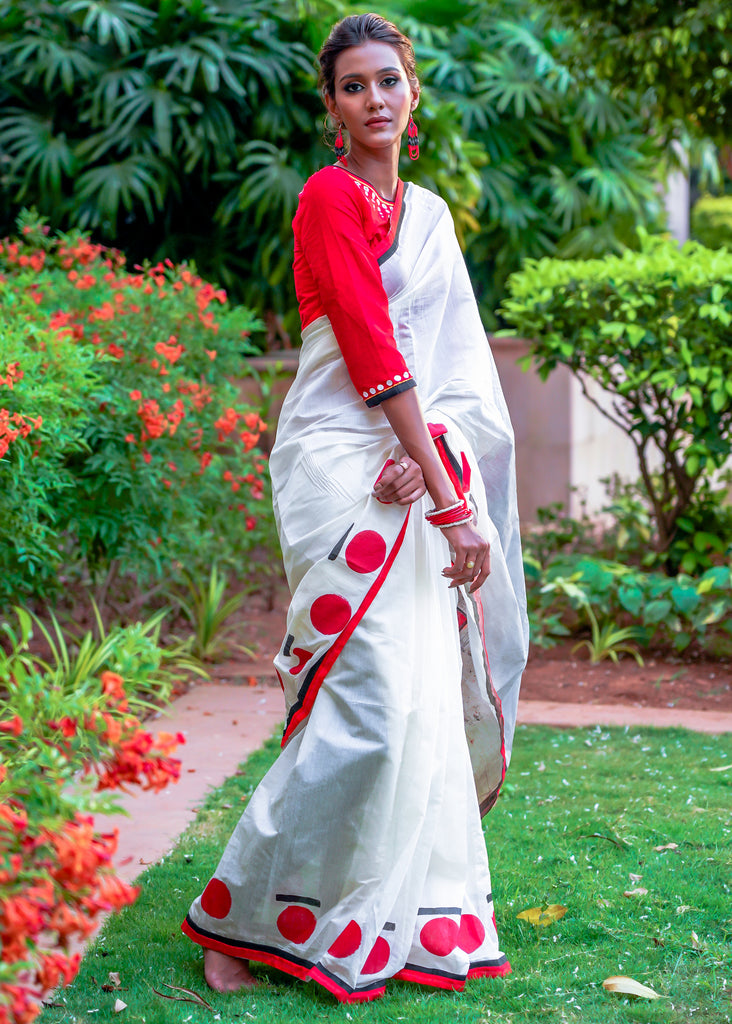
(439, 936)
(296, 924)
(471, 933)
(330, 613)
(366, 552)
(378, 958)
(216, 899)
(347, 942)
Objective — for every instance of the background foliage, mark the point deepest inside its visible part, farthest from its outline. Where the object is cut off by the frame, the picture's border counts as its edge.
(567, 168)
(677, 57)
(711, 221)
(186, 130)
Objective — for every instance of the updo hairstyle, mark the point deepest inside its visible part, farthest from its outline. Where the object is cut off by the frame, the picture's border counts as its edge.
(354, 31)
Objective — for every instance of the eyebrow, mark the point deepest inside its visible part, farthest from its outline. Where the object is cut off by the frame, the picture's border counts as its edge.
(357, 74)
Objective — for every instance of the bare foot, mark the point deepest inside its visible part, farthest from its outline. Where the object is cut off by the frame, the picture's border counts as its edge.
(227, 973)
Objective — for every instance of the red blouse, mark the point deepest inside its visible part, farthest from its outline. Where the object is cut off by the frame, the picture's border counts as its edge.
(342, 227)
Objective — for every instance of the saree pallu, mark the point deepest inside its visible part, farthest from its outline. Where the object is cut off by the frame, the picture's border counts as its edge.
(361, 855)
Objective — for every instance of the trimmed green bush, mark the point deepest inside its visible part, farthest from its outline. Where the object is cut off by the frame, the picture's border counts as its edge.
(654, 330)
(711, 221)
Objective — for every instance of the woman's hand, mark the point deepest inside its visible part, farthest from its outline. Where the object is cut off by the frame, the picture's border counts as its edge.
(472, 562)
(402, 483)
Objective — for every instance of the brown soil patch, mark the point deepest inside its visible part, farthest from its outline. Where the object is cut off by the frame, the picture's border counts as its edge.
(553, 675)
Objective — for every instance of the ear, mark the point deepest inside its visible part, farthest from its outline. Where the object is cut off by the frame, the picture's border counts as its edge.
(415, 95)
(332, 107)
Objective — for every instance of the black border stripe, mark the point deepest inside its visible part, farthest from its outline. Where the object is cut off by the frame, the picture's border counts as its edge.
(498, 962)
(395, 244)
(451, 457)
(434, 971)
(289, 957)
(288, 645)
(307, 900)
(302, 692)
(378, 398)
(439, 910)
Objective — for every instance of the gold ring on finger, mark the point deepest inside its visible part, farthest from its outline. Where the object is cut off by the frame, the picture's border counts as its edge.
(470, 565)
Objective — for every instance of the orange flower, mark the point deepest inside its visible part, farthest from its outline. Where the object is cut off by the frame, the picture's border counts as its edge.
(169, 350)
(166, 742)
(227, 423)
(113, 685)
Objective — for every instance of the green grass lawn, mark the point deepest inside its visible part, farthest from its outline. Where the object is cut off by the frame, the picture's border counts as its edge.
(577, 824)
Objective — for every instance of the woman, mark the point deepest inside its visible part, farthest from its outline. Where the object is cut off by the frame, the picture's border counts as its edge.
(360, 856)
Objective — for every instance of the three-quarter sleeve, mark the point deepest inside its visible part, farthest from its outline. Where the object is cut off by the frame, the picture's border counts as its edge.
(337, 274)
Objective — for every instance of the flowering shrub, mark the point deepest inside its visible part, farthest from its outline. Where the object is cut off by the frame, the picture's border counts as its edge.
(122, 439)
(59, 749)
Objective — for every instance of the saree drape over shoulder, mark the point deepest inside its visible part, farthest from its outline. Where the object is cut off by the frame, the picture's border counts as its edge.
(361, 855)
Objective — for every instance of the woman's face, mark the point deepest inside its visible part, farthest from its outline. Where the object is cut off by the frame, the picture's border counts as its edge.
(373, 96)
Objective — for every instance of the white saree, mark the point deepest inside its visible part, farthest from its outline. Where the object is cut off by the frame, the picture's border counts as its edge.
(361, 856)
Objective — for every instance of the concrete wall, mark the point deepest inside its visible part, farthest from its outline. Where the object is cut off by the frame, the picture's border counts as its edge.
(564, 445)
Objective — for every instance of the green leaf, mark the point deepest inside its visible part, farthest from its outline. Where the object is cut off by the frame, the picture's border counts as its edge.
(657, 611)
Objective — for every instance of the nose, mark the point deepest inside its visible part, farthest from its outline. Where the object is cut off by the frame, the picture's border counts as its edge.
(373, 98)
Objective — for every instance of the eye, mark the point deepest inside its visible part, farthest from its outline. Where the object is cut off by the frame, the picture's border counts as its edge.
(390, 80)
(353, 87)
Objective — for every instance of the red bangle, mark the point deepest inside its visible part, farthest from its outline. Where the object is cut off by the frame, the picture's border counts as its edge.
(452, 515)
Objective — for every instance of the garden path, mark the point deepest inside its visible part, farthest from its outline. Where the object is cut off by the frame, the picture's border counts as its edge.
(224, 722)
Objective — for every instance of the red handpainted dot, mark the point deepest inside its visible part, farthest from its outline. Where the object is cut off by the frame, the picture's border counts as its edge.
(471, 934)
(296, 924)
(330, 613)
(366, 552)
(216, 899)
(439, 936)
(378, 958)
(347, 942)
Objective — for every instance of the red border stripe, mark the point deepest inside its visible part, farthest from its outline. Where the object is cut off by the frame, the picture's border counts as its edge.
(330, 656)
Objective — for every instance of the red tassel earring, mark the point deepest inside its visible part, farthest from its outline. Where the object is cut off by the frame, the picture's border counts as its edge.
(340, 149)
(412, 139)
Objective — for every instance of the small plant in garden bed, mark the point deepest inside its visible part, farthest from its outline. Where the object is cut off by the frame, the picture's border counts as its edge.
(666, 612)
(209, 614)
(125, 448)
(64, 740)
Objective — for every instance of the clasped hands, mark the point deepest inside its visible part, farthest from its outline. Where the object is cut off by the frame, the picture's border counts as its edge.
(403, 484)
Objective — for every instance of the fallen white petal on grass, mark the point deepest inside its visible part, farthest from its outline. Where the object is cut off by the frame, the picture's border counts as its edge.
(635, 878)
(722, 768)
(683, 908)
(629, 987)
(639, 891)
(695, 941)
(666, 846)
(119, 1006)
(113, 979)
